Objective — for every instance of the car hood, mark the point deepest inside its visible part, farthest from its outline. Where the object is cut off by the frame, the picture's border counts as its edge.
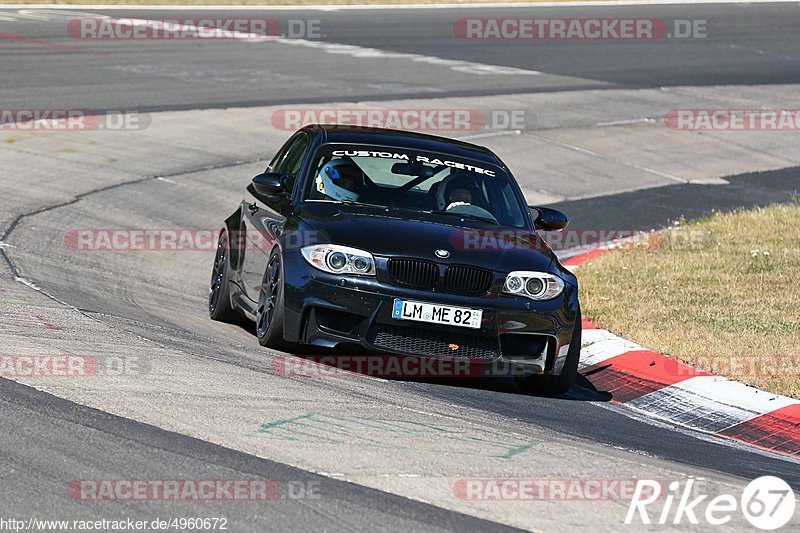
(410, 234)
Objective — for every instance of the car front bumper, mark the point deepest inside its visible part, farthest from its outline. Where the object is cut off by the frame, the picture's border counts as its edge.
(330, 311)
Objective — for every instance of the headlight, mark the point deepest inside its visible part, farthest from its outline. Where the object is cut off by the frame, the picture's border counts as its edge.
(534, 285)
(339, 259)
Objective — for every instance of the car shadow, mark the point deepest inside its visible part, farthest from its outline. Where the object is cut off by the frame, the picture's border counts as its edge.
(323, 362)
(582, 390)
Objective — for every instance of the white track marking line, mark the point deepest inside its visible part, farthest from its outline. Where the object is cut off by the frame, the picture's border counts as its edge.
(581, 150)
(358, 52)
(45, 14)
(490, 134)
(626, 122)
(361, 52)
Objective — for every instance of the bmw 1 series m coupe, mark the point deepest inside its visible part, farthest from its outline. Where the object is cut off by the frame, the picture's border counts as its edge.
(404, 245)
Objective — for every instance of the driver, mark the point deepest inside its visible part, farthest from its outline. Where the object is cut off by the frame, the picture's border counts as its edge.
(460, 191)
(459, 196)
(341, 180)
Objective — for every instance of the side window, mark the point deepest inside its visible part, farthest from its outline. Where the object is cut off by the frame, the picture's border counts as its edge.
(291, 159)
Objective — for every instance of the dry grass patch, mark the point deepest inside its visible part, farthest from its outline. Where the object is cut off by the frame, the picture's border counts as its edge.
(722, 293)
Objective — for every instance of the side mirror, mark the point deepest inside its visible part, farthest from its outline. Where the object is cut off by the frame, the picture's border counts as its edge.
(548, 219)
(269, 184)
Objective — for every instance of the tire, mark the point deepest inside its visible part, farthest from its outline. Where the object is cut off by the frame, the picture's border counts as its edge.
(549, 385)
(269, 314)
(219, 295)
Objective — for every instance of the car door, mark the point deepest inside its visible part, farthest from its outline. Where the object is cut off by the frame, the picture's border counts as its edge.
(264, 217)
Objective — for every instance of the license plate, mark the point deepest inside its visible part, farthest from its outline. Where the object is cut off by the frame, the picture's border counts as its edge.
(437, 314)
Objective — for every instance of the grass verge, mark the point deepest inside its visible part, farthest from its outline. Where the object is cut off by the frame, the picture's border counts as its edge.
(721, 293)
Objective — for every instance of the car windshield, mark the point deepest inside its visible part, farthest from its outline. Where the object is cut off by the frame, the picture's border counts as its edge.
(411, 180)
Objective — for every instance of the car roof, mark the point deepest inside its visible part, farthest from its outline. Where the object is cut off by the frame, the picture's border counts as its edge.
(334, 133)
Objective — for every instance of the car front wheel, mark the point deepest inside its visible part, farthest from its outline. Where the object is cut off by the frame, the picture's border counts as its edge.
(269, 314)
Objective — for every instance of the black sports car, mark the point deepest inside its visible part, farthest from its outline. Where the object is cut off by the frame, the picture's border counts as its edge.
(399, 243)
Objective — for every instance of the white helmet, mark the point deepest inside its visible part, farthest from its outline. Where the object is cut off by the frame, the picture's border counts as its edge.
(340, 180)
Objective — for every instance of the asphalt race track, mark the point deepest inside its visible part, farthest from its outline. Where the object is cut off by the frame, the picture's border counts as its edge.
(747, 44)
(204, 401)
